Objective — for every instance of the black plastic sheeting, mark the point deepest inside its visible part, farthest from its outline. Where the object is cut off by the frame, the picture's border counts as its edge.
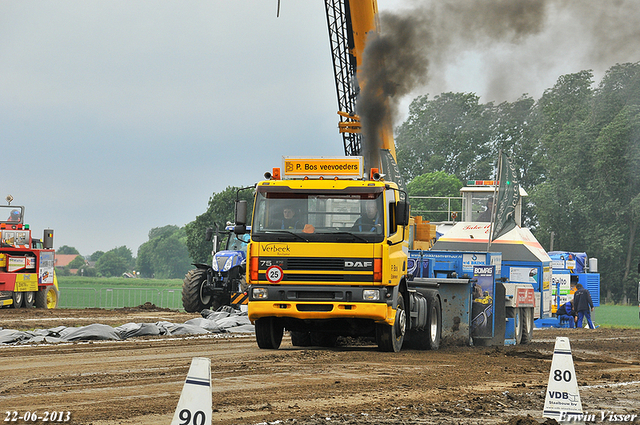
(225, 320)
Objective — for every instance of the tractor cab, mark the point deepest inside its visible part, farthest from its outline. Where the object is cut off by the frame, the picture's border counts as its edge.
(477, 200)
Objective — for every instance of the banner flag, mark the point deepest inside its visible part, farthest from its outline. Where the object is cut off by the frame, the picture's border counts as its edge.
(508, 196)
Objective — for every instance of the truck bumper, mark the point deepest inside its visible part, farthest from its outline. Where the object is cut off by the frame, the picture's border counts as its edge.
(377, 312)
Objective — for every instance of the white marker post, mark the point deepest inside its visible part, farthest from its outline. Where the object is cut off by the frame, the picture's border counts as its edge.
(562, 401)
(194, 407)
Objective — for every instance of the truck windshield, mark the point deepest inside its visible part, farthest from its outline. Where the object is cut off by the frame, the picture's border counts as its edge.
(9, 214)
(319, 216)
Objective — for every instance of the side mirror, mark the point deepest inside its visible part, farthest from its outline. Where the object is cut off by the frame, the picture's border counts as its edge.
(402, 213)
(241, 213)
(208, 236)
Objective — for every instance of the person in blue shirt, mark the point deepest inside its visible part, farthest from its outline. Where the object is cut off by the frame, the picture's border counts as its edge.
(565, 312)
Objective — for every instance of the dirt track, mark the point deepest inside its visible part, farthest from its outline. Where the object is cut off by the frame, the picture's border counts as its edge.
(139, 381)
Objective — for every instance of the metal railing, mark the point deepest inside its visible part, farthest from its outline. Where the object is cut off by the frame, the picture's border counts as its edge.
(119, 297)
(442, 213)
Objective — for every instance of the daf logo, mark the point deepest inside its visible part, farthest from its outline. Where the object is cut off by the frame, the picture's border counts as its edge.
(358, 264)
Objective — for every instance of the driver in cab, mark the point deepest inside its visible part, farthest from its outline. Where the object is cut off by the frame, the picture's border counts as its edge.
(370, 219)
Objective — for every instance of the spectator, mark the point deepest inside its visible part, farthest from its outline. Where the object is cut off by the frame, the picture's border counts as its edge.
(583, 304)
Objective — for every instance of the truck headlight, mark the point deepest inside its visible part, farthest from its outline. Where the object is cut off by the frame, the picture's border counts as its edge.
(371, 295)
(260, 293)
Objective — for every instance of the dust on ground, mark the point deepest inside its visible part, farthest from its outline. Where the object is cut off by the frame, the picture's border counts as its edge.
(138, 381)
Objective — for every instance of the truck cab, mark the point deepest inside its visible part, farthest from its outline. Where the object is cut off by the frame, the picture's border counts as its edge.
(337, 265)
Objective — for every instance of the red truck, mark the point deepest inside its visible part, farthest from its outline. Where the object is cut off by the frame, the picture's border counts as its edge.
(27, 275)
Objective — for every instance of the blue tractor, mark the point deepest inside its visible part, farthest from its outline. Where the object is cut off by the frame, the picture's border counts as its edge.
(223, 282)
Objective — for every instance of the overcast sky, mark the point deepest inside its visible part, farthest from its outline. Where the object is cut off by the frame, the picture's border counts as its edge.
(120, 116)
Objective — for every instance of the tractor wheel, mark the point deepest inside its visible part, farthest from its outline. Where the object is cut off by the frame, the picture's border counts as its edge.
(300, 339)
(47, 297)
(269, 333)
(18, 298)
(391, 337)
(29, 299)
(527, 325)
(193, 300)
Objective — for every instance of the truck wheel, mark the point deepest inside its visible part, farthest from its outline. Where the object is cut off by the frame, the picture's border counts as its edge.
(517, 317)
(300, 339)
(29, 299)
(47, 297)
(390, 338)
(434, 321)
(527, 325)
(192, 297)
(429, 337)
(18, 298)
(269, 333)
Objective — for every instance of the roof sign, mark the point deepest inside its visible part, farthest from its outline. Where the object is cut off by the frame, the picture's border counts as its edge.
(327, 167)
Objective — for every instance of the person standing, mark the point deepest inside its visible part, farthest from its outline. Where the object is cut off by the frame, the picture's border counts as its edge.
(583, 305)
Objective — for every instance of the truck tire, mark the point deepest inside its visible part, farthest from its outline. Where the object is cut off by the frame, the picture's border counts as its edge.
(192, 297)
(434, 322)
(29, 299)
(18, 299)
(269, 333)
(390, 338)
(429, 338)
(527, 325)
(517, 317)
(300, 339)
(47, 297)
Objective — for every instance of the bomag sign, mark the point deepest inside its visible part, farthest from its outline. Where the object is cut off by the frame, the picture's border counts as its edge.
(329, 167)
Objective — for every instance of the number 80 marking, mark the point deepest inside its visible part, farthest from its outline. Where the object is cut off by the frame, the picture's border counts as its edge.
(559, 375)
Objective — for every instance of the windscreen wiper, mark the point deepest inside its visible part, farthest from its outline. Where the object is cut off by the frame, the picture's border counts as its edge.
(288, 232)
(353, 235)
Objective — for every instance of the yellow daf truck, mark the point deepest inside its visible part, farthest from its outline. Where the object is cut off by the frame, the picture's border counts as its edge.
(328, 257)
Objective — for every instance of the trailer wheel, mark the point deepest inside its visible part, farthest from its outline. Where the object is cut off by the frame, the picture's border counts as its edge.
(429, 337)
(29, 299)
(517, 317)
(269, 333)
(434, 321)
(527, 325)
(18, 299)
(390, 338)
(300, 339)
(47, 297)
(192, 297)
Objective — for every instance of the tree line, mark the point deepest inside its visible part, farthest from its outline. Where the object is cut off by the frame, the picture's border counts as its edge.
(577, 149)
(578, 152)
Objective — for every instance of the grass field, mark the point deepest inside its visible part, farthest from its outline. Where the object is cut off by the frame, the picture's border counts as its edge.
(608, 316)
(616, 316)
(94, 282)
(118, 292)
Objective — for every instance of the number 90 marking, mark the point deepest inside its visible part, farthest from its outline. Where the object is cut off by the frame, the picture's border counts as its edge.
(198, 418)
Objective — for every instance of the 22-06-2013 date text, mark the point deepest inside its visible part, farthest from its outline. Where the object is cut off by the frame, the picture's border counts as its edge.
(46, 416)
